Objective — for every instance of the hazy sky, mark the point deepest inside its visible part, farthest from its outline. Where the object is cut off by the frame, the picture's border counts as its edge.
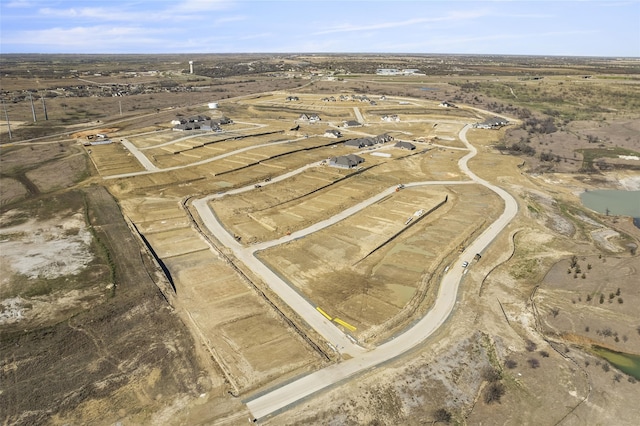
(536, 27)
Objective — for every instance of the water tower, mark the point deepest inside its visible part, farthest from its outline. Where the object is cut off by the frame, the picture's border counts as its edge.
(190, 67)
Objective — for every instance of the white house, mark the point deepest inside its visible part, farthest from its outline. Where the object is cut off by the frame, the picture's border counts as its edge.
(332, 133)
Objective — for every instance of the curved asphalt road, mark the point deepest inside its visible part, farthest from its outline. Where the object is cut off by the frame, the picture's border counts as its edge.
(292, 392)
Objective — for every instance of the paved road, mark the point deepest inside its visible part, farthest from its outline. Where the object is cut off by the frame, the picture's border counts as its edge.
(342, 342)
(292, 392)
(151, 168)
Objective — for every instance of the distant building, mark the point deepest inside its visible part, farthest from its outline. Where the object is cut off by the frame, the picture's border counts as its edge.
(210, 125)
(492, 123)
(351, 123)
(395, 71)
(387, 71)
(198, 118)
(311, 118)
(390, 117)
(346, 161)
(332, 133)
(186, 127)
(446, 104)
(368, 141)
(405, 145)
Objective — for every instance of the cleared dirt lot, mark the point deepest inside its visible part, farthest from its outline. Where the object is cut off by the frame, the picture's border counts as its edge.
(249, 342)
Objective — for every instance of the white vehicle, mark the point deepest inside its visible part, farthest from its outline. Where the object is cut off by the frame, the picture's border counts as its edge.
(465, 264)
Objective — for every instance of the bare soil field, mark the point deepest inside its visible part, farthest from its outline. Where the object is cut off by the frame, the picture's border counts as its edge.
(134, 313)
(218, 304)
(83, 344)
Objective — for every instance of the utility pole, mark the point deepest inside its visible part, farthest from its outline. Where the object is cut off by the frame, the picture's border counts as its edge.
(44, 107)
(33, 110)
(120, 103)
(6, 115)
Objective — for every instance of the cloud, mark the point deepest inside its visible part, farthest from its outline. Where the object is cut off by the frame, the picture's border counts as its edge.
(19, 4)
(453, 16)
(141, 12)
(227, 19)
(90, 39)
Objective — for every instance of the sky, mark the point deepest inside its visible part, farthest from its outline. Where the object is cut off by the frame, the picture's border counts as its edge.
(535, 27)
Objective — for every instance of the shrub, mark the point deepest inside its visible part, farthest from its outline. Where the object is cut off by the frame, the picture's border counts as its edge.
(491, 374)
(544, 354)
(494, 392)
(533, 362)
(511, 364)
(442, 415)
(531, 346)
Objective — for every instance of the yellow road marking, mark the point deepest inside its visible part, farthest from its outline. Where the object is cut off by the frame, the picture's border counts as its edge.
(324, 313)
(344, 324)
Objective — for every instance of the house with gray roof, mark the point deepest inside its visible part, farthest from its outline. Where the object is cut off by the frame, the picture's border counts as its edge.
(405, 145)
(351, 123)
(346, 161)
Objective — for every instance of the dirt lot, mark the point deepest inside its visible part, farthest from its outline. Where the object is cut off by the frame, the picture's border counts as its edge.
(517, 347)
(92, 336)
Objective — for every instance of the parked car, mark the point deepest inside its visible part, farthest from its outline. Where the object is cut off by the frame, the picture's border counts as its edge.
(465, 264)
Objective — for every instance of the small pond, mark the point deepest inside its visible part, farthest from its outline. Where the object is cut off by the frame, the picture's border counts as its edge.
(627, 363)
(613, 202)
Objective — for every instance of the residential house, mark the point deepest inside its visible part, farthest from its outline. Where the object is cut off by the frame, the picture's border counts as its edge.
(311, 118)
(332, 133)
(368, 141)
(346, 161)
(210, 125)
(390, 117)
(492, 123)
(198, 118)
(186, 126)
(351, 123)
(405, 145)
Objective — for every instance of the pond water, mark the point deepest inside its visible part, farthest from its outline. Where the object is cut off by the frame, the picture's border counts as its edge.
(613, 202)
(627, 363)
